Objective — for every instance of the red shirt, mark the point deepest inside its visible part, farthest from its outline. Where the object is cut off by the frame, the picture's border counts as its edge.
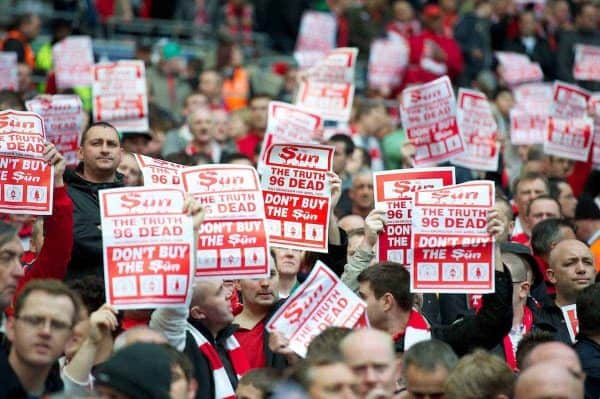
(247, 144)
(253, 343)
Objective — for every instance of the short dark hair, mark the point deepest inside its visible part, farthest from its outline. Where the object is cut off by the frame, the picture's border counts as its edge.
(428, 355)
(543, 197)
(91, 290)
(327, 343)
(263, 379)
(345, 139)
(389, 277)
(554, 186)
(51, 287)
(529, 177)
(529, 342)
(588, 313)
(546, 233)
(536, 153)
(11, 100)
(98, 124)
(7, 232)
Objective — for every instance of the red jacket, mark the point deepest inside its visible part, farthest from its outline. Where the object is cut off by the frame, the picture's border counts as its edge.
(55, 254)
(415, 72)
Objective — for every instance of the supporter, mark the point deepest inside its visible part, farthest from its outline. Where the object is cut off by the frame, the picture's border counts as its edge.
(370, 355)
(99, 155)
(326, 378)
(472, 33)
(355, 238)
(25, 84)
(404, 22)
(586, 32)
(432, 54)
(210, 84)
(558, 21)
(344, 148)
(327, 343)
(587, 220)
(571, 270)
(238, 20)
(426, 366)
(258, 384)
(542, 208)
(167, 86)
(236, 80)
(365, 22)
(11, 270)
(526, 188)
(177, 139)
(201, 123)
(11, 100)
(530, 43)
(369, 118)
(288, 263)
(45, 313)
(135, 142)
(358, 199)
(544, 237)
(561, 191)
(529, 342)
(480, 375)
(554, 351)
(548, 381)
(220, 133)
(560, 168)
(24, 30)
(249, 145)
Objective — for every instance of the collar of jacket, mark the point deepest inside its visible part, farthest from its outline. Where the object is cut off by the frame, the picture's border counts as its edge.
(73, 178)
(221, 335)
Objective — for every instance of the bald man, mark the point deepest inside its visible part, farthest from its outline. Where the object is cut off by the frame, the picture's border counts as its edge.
(548, 380)
(553, 352)
(371, 356)
(571, 269)
(351, 222)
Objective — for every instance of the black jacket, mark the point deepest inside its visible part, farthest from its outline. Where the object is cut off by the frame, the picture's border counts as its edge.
(566, 55)
(549, 317)
(541, 53)
(589, 354)
(86, 256)
(486, 329)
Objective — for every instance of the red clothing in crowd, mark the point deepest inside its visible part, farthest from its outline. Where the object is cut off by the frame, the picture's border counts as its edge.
(420, 68)
(252, 342)
(247, 144)
(55, 254)
(543, 266)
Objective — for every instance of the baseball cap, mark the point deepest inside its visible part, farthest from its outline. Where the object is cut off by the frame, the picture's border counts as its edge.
(140, 371)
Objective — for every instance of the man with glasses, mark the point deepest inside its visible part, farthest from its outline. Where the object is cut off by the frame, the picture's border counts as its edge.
(45, 313)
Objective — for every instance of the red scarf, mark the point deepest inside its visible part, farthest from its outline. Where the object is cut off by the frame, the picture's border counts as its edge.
(223, 387)
(509, 355)
(417, 329)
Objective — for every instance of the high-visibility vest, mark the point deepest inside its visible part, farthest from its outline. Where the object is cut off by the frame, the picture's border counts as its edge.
(29, 56)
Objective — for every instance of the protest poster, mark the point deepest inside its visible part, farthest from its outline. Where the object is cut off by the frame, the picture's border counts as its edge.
(533, 93)
(297, 195)
(148, 247)
(73, 60)
(527, 127)
(569, 101)
(516, 68)
(335, 67)
(316, 37)
(595, 106)
(479, 132)
(232, 241)
(428, 114)
(388, 60)
(570, 315)
(586, 63)
(394, 192)
(287, 123)
(569, 138)
(63, 121)
(321, 301)
(452, 251)
(157, 172)
(26, 179)
(120, 95)
(9, 79)
(332, 101)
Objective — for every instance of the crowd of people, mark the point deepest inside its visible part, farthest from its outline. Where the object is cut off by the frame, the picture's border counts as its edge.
(59, 338)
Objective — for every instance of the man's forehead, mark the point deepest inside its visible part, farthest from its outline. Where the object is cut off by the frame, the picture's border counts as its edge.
(532, 183)
(14, 244)
(571, 248)
(103, 132)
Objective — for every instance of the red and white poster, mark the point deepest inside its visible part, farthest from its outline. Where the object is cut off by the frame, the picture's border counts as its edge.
(26, 179)
(316, 37)
(533, 93)
(297, 195)
(595, 106)
(388, 60)
(232, 241)
(452, 251)
(73, 59)
(289, 124)
(321, 301)
(333, 101)
(429, 116)
(148, 247)
(335, 67)
(157, 172)
(479, 131)
(569, 138)
(570, 315)
(120, 95)
(63, 120)
(395, 192)
(586, 64)
(8, 71)
(516, 68)
(527, 125)
(569, 101)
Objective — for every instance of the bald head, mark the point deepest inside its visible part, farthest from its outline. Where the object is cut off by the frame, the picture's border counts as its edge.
(517, 266)
(553, 352)
(369, 337)
(548, 380)
(351, 222)
(564, 247)
(139, 334)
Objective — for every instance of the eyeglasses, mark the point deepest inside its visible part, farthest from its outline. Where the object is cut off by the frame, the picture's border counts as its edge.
(39, 322)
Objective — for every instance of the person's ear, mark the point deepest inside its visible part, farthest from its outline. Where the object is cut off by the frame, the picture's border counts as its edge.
(524, 287)
(551, 276)
(387, 301)
(196, 313)
(10, 329)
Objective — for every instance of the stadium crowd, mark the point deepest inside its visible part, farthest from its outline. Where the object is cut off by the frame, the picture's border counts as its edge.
(59, 338)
